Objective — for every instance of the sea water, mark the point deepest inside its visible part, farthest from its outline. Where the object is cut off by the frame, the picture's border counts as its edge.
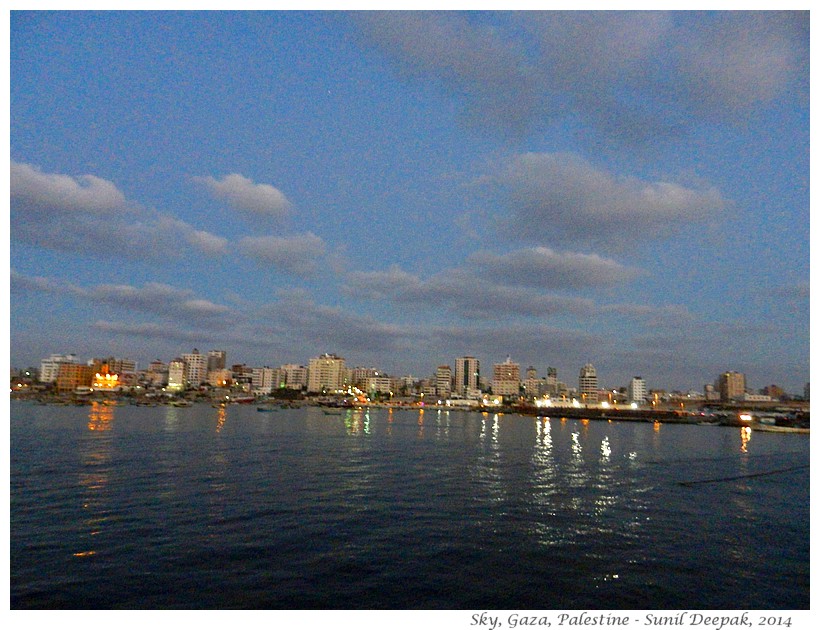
(202, 507)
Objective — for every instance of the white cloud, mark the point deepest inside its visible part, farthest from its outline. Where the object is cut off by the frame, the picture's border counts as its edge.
(678, 68)
(299, 254)
(545, 268)
(154, 298)
(47, 193)
(462, 291)
(243, 194)
(90, 216)
(560, 192)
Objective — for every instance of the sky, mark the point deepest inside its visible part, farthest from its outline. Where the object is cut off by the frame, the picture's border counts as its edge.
(629, 189)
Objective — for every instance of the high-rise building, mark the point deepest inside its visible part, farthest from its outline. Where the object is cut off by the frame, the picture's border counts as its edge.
(70, 376)
(358, 376)
(532, 384)
(506, 378)
(176, 375)
(216, 360)
(467, 376)
(552, 381)
(588, 384)
(196, 366)
(636, 391)
(732, 386)
(444, 380)
(293, 376)
(49, 368)
(263, 380)
(326, 373)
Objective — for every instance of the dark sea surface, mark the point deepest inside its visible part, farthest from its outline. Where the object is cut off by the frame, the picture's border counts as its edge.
(134, 507)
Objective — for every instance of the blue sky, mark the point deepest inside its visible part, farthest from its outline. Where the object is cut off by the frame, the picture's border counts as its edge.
(626, 188)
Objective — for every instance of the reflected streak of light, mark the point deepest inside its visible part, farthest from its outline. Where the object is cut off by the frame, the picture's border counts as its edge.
(100, 417)
(576, 445)
(606, 451)
(745, 436)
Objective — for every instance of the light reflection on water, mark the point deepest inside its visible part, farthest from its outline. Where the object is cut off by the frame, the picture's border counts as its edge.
(94, 473)
(384, 498)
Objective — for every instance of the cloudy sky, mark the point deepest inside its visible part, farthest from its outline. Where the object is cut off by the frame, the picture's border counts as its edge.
(626, 188)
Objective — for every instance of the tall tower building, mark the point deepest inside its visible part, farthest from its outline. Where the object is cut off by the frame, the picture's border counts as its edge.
(732, 386)
(326, 373)
(588, 384)
(263, 380)
(506, 378)
(196, 366)
(637, 390)
(50, 368)
(176, 375)
(467, 375)
(532, 384)
(216, 360)
(552, 381)
(444, 380)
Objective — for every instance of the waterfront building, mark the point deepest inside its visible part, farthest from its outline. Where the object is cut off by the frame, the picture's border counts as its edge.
(806, 392)
(636, 392)
(114, 365)
(293, 376)
(196, 365)
(216, 360)
(552, 381)
(49, 368)
(358, 376)
(381, 384)
(588, 384)
(326, 373)
(176, 375)
(220, 378)
(467, 375)
(263, 380)
(774, 391)
(731, 385)
(710, 393)
(70, 376)
(444, 379)
(533, 386)
(506, 378)
(750, 397)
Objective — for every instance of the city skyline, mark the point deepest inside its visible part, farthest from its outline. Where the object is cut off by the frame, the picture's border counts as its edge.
(584, 380)
(627, 188)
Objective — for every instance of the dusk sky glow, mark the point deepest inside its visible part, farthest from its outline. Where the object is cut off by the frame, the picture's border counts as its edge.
(401, 189)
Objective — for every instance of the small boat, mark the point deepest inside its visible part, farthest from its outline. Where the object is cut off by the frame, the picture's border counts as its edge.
(333, 411)
(267, 408)
(181, 403)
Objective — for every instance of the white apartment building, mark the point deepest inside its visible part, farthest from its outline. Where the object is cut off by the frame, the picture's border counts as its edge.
(326, 373)
(49, 368)
(636, 391)
(263, 380)
(196, 365)
(293, 376)
(380, 384)
(176, 375)
(444, 380)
